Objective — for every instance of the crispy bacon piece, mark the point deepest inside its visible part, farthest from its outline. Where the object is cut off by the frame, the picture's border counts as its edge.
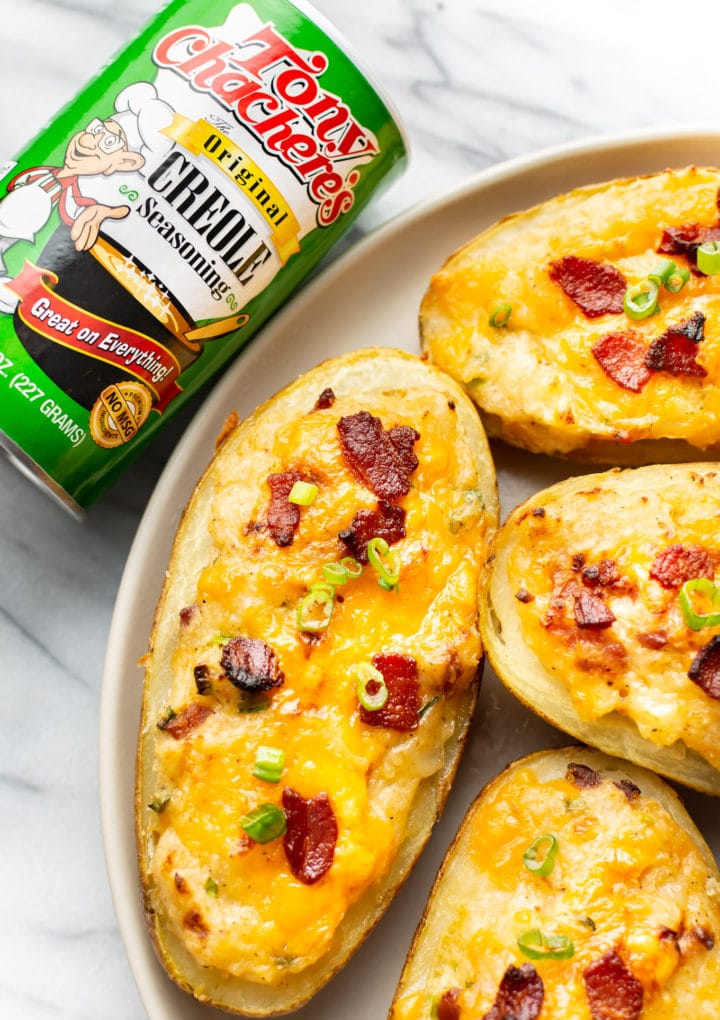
(653, 639)
(382, 460)
(631, 791)
(613, 991)
(520, 995)
(448, 1006)
(582, 776)
(591, 613)
(705, 668)
(386, 521)
(604, 574)
(680, 563)
(400, 711)
(179, 725)
(251, 665)
(188, 613)
(686, 240)
(201, 675)
(283, 517)
(195, 923)
(311, 835)
(595, 287)
(675, 351)
(325, 400)
(622, 359)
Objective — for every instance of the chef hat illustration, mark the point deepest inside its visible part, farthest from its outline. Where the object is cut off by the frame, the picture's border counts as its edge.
(142, 115)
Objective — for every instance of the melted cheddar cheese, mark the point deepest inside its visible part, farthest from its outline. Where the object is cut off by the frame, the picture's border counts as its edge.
(536, 379)
(638, 665)
(258, 921)
(627, 877)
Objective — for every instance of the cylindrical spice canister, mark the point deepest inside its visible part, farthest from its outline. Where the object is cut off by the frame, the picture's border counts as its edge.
(153, 227)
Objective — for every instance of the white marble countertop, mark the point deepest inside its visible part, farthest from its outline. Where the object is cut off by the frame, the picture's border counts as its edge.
(476, 83)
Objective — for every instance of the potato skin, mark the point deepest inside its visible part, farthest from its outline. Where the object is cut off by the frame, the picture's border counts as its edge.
(363, 377)
(536, 380)
(622, 686)
(467, 936)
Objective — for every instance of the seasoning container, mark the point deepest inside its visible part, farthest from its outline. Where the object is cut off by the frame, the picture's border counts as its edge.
(164, 215)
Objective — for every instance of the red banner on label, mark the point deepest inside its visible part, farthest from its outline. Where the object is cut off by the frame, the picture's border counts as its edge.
(62, 322)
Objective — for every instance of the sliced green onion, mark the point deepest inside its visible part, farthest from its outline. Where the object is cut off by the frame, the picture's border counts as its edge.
(540, 855)
(662, 272)
(696, 621)
(319, 600)
(303, 493)
(677, 279)
(428, 705)
(708, 258)
(211, 887)
(389, 569)
(370, 685)
(335, 573)
(159, 804)
(537, 946)
(269, 763)
(641, 300)
(500, 314)
(253, 701)
(264, 823)
(353, 568)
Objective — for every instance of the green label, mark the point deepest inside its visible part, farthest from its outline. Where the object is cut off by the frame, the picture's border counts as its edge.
(168, 211)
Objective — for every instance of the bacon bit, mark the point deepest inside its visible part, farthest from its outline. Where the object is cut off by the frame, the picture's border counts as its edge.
(578, 561)
(604, 575)
(631, 791)
(519, 996)
(251, 665)
(381, 460)
(311, 835)
(228, 426)
(582, 776)
(595, 287)
(668, 935)
(613, 991)
(325, 400)
(686, 240)
(523, 595)
(386, 521)
(697, 936)
(201, 674)
(194, 922)
(705, 668)
(187, 613)
(179, 725)
(283, 517)
(538, 511)
(448, 1006)
(653, 639)
(675, 351)
(591, 613)
(622, 359)
(400, 711)
(680, 563)
(180, 884)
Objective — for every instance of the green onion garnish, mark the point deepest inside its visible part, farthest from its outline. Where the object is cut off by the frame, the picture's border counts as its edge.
(335, 573)
(389, 569)
(428, 705)
(303, 493)
(211, 887)
(353, 568)
(537, 946)
(269, 763)
(264, 823)
(641, 300)
(370, 685)
(696, 621)
(677, 280)
(159, 804)
(316, 608)
(540, 855)
(500, 314)
(708, 258)
(253, 701)
(662, 272)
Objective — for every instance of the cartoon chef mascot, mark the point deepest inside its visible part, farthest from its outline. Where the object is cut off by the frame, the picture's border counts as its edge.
(105, 147)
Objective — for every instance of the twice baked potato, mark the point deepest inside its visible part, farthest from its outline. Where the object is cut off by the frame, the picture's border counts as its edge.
(589, 326)
(577, 888)
(311, 676)
(602, 614)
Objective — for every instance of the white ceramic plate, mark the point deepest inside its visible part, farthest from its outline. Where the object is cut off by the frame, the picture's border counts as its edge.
(370, 296)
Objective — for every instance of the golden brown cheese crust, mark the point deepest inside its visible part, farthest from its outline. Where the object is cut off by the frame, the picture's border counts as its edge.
(632, 900)
(548, 380)
(229, 912)
(586, 623)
